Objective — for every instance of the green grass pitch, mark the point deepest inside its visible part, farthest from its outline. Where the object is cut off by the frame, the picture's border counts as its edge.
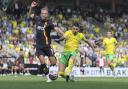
(36, 82)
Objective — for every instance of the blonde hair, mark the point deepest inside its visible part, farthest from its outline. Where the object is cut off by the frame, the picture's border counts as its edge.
(44, 8)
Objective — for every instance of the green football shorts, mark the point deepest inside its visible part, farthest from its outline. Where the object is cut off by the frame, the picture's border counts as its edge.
(65, 56)
(110, 57)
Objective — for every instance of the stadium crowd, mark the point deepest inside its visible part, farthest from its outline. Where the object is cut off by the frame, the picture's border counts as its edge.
(17, 40)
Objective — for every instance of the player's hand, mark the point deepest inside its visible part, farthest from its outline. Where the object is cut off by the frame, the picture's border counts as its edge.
(33, 4)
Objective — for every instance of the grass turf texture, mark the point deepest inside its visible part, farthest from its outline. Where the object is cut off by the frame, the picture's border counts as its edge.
(35, 82)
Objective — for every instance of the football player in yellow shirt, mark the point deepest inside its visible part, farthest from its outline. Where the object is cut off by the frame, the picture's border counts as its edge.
(72, 38)
(109, 44)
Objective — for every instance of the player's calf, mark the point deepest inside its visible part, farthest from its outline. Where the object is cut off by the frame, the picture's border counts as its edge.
(43, 69)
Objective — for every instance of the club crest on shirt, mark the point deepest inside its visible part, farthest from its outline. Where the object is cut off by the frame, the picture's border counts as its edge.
(40, 28)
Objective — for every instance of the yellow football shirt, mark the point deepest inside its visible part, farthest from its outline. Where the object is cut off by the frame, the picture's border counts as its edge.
(72, 41)
(109, 44)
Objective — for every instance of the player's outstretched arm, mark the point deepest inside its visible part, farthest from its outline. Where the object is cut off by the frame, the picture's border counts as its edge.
(89, 44)
(30, 13)
(59, 31)
(59, 40)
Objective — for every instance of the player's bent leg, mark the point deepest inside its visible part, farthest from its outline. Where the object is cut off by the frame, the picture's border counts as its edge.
(70, 65)
(112, 64)
(51, 77)
(108, 61)
(61, 70)
(42, 59)
(63, 64)
(43, 68)
(69, 68)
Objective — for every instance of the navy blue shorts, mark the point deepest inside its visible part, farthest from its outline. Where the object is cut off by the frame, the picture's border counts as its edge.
(45, 52)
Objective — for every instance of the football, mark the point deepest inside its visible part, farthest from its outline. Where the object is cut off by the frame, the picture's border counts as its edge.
(53, 76)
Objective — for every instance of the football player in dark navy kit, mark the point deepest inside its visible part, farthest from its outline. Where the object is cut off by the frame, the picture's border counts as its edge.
(43, 28)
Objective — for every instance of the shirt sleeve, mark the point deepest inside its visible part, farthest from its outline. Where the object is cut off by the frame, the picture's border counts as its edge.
(52, 26)
(81, 36)
(66, 34)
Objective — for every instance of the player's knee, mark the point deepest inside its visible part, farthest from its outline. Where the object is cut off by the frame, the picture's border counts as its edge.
(41, 58)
